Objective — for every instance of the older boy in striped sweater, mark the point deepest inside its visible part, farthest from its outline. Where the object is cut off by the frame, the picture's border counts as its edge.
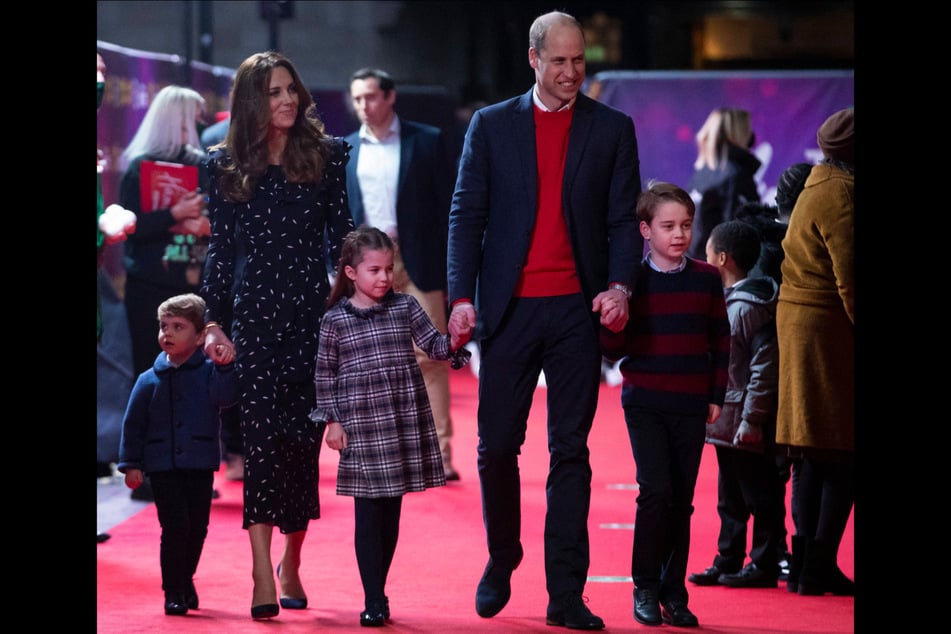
(675, 351)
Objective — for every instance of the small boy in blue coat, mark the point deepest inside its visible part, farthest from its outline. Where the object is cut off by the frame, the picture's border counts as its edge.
(171, 432)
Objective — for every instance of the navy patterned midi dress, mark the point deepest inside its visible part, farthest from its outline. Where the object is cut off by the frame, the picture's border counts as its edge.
(266, 267)
(369, 381)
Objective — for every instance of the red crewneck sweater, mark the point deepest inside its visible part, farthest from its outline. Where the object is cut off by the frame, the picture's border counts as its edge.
(550, 264)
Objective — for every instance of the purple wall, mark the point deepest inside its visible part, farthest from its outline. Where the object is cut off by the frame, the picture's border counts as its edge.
(786, 107)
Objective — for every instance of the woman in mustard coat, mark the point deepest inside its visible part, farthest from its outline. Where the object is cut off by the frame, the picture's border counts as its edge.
(815, 323)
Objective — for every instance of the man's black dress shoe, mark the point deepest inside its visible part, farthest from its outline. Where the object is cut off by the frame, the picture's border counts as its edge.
(494, 590)
(751, 576)
(175, 604)
(265, 611)
(646, 606)
(676, 613)
(574, 615)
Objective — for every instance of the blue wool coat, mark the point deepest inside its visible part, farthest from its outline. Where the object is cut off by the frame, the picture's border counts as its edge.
(171, 421)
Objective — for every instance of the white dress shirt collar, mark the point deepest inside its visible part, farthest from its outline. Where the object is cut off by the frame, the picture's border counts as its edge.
(392, 132)
(543, 107)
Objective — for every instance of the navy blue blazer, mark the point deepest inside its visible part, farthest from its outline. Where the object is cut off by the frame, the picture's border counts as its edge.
(424, 189)
(493, 207)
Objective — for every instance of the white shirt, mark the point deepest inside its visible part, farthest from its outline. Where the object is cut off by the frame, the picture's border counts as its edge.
(378, 169)
(677, 269)
(543, 107)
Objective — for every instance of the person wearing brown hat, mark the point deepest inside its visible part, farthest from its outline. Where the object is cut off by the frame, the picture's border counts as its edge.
(815, 323)
(835, 137)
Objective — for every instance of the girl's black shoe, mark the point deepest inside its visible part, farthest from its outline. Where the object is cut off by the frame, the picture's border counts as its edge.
(374, 619)
(375, 614)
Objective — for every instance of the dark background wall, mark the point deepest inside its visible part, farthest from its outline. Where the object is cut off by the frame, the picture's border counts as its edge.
(478, 50)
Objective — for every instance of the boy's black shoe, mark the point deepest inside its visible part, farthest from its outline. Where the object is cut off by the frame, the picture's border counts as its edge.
(752, 576)
(646, 607)
(676, 613)
(709, 577)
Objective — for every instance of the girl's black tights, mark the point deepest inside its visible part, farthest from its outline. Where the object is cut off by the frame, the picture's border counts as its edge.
(376, 529)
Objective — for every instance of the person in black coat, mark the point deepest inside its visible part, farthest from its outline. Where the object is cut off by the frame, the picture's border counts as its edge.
(723, 178)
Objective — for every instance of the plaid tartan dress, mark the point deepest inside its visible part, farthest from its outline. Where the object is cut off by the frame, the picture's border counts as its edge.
(368, 380)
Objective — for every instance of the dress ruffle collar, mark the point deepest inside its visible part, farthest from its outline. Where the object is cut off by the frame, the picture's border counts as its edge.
(367, 313)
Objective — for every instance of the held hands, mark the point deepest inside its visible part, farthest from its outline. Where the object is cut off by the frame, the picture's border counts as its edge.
(461, 322)
(336, 437)
(612, 304)
(747, 434)
(713, 413)
(225, 354)
(218, 347)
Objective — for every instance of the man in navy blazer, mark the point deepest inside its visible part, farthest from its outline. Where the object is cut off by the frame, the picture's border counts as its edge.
(399, 179)
(543, 245)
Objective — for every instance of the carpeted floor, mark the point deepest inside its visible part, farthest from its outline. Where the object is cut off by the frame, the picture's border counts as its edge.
(441, 554)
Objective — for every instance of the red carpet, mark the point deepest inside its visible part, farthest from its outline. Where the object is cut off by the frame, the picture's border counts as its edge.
(441, 554)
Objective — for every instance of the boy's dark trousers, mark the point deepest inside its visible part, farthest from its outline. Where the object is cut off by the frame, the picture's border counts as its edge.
(667, 451)
(183, 503)
(748, 483)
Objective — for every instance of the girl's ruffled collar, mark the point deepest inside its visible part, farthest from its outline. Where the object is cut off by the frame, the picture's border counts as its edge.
(367, 313)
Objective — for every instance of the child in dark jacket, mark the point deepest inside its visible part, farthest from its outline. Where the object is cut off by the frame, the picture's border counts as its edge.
(748, 481)
(171, 433)
(674, 354)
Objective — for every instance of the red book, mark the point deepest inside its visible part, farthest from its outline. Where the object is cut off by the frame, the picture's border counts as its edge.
(163, 183)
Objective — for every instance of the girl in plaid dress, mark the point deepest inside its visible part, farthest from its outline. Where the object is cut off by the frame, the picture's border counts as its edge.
(371, 394)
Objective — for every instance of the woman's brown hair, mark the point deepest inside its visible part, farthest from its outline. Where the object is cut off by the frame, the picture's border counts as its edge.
(246, 145)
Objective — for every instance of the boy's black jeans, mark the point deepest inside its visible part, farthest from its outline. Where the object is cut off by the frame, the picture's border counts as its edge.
(183, 503)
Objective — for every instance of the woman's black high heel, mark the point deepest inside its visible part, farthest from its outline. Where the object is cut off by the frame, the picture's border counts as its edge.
(264, 611)
(291, 603)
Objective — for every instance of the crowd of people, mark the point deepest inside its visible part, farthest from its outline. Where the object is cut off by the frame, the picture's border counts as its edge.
(316, 289)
